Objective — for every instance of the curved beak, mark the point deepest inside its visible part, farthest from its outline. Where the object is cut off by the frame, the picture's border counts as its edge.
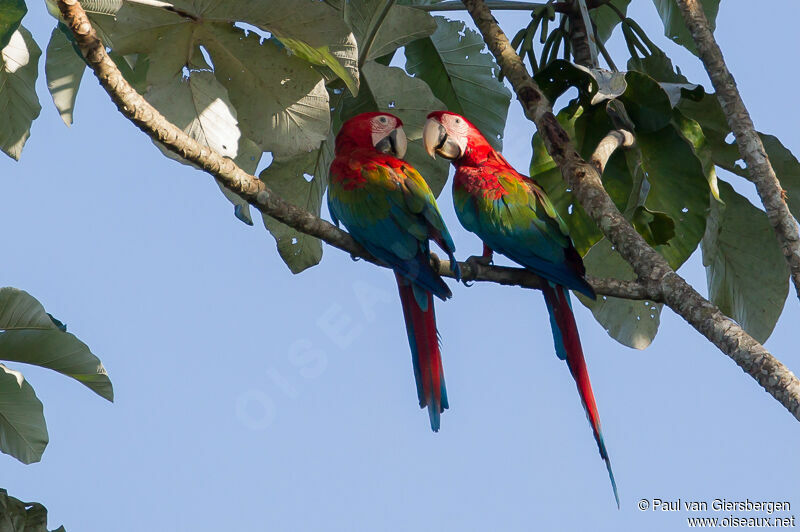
(436, 140)
(394, 143)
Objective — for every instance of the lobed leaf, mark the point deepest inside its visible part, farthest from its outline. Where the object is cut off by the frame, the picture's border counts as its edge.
(453, 63)
(748, 278)
(300, 180)
(631, 323)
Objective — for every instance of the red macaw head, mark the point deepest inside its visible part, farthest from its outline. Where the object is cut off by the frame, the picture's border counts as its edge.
(453, 137)
(379, 131)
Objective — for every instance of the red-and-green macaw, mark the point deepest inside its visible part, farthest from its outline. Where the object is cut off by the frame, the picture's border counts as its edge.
(513, 216)
(389, 209)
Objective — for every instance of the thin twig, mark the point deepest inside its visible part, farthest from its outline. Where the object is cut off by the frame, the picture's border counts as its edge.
(750, 146)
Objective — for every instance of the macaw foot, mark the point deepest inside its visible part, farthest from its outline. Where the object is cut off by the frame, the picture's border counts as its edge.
(480, 260)
(475, 263)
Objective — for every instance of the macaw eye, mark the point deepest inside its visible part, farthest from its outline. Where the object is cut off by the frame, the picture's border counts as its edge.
(383, 119)
(458, 120)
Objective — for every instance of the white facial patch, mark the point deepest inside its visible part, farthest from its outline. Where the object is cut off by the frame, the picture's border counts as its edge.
(457, 129)
(381, 126)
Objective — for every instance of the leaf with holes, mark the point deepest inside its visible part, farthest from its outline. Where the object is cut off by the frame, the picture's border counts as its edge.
(64, 69)
(400, 26)
(199, 105)
(19, 68)
(23, 431)
(708, 113)
(631, 323)
(678, 188)
(748, 278)
(281, 99)
(453, 64)
(300, 180)
(674, 27)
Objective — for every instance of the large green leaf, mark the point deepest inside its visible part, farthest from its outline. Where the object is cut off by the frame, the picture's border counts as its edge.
(282, 102)
(646, 102)
(292, 180)
(31, 335)
(709, 114)
(18, 516)
(19, 68)
(280, 98)
(23, 431)
(400, 26)
(693, 133)
(11, 13)
(678, 188)
(391, 90)
(311, 22)
(452, 62)
(674, 27)
(748, 278)
(200, 106)
(631, 323)
(606, 19)
(64, 67)
(323, 57)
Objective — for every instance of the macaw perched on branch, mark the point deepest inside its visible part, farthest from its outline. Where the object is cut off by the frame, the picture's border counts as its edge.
(513, 216)
(389, 209)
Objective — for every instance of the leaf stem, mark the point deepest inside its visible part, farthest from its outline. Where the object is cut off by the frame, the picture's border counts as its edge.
(373, 32)
(590, 35)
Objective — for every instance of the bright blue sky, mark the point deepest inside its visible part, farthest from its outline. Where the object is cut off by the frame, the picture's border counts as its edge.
(194, 315)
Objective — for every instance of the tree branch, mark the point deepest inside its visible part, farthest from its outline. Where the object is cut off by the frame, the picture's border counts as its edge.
(608, 145)
(148, 119)
(750, 146)
(648, 264)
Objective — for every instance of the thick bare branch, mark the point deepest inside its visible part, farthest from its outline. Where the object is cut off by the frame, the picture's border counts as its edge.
(750, 146)
(648, 264)
(252, 189)
(608, 145)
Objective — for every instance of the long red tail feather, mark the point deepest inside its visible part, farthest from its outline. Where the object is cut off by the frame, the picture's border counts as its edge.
(568, 346)
(426, 356)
